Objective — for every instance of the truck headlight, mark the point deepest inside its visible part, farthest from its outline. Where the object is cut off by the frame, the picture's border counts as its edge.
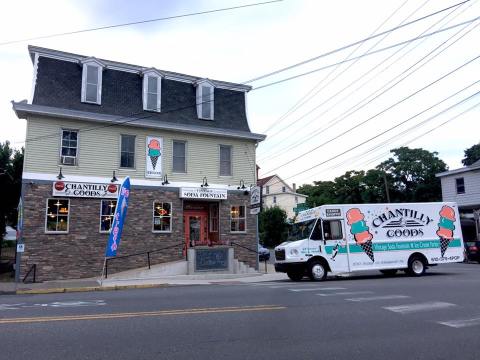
(294, 252)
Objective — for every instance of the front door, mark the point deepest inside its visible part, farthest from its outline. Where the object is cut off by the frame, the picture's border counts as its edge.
(196, 228)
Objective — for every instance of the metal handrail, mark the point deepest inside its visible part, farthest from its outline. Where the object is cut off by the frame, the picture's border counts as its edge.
(34, 268)
(251, 250)
(136, 254)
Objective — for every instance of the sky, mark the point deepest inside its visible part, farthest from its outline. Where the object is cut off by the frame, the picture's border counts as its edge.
(335, 118)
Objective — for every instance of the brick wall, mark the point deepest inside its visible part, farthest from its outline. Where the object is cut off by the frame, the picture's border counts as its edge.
(80, 253)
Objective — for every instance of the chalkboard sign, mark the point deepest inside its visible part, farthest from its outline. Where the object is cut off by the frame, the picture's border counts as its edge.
(211, 259)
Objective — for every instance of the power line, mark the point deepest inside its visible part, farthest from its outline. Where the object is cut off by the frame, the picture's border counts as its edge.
(367, 54)
(378, 92)
(301, 102)
(353, 44)
(355, 90)
(137, 22)
(377, 114)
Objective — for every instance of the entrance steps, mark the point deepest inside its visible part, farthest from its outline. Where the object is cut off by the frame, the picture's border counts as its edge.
(180, 269)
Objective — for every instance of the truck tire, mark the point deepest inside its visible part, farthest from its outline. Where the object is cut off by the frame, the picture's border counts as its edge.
(389, 272)
(416, 266)
(295, 275)
(317, 271)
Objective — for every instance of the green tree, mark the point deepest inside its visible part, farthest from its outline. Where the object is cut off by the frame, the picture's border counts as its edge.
(412, 172)
(349, 187)
(472, 154)
(322, 192)
(272, 226)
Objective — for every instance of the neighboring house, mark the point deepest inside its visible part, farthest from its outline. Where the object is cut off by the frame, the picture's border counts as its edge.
(463, 187)
(184, 141)
(276, 192)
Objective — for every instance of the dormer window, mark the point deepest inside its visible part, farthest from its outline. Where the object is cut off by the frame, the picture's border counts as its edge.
(152, 94)
(205, 100)
(92, 81)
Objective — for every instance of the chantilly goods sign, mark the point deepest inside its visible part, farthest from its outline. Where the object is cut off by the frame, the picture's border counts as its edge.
(203, 193)
(85, 190)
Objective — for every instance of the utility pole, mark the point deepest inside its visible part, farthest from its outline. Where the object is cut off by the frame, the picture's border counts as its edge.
(386, 186)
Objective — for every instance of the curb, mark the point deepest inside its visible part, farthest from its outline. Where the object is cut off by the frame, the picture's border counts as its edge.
(86, 289)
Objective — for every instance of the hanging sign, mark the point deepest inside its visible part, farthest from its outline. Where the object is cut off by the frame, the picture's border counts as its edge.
(118, 219)
(154, 149)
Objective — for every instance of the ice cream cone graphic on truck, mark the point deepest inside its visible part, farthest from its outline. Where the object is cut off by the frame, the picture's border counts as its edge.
(446, 225)
(359, 230)
(154, 152)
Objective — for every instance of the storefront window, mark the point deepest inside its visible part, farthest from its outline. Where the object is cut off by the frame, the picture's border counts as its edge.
(107, 210)
(237, 219)
(57, 215)
(162, 216)
(213, 217)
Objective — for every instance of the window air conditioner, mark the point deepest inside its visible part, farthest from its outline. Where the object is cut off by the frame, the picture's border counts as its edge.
(68, 160)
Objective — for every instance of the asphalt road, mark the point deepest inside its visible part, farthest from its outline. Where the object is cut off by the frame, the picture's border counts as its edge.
(364, 317)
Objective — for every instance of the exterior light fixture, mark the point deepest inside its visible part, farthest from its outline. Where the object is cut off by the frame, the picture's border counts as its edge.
(204, 182)
(242, 185)
(114, 178)
(165, 180)
(60, 175)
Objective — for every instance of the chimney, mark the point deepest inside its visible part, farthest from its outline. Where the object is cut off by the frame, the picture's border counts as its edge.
(294, 187)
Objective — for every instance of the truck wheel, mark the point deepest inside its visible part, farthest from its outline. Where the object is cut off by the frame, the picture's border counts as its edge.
(389, 272)
(416, 266)
(317, 271)
(295, 275)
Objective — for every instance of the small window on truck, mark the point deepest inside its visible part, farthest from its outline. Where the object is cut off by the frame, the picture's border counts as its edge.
(317, 231)
(332, 230)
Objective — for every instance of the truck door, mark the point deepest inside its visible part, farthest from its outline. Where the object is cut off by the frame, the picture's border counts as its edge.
(335, 245)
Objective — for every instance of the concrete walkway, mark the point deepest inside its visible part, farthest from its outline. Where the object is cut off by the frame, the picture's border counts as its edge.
(96, 284)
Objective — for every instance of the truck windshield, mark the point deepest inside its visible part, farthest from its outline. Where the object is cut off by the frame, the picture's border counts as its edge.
(301, 230)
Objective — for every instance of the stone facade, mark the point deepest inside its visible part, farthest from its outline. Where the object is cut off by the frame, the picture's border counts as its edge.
(80, 253)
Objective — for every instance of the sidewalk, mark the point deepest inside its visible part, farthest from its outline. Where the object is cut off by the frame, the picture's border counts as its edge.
(94, 284)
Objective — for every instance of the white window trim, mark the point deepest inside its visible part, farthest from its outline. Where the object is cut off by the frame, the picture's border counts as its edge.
(200, 100)
(61, 146)
(158, 76)
(99, 66)
(100, 223)
(220, 159)
(245, 212)
(134, 154)
(46, 216)
(186, 152)
(153, 218)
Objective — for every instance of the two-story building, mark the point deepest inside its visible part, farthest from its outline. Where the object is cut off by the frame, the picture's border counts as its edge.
(463, 187)
(183, 140)
(276, 192)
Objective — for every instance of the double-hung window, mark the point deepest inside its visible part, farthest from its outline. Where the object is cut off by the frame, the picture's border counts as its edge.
(460, 185)
(237, 219)
(57, 215)
(162, 216)
(69, 151)
(107, 210)
(225, 160)
(152, 84)
(205, 100)
(92, 81)
(179, 157)
(127, 151)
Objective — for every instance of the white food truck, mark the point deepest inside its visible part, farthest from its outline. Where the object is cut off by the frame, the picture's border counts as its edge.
(387, 237)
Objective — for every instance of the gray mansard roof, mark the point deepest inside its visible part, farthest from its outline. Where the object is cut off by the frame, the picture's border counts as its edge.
(59, 82)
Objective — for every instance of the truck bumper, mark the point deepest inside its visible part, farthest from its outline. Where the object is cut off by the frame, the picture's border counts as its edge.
(285, 267)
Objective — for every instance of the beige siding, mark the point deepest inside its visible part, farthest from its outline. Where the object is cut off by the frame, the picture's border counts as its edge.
(99, 152)
(285, 201)
(472, 188)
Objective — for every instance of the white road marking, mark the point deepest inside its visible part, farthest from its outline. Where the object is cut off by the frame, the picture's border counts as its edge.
(375, 298)
(318, 289)
(10, 306)
(461, 323)
(53, 304)
(346, 293)
(411, 308)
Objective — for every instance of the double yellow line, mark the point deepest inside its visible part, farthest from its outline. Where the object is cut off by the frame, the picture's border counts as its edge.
(214, 310)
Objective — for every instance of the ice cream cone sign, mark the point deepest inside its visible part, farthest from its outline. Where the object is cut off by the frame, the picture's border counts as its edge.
(359, 230)
(154, 151)
(446, 225)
